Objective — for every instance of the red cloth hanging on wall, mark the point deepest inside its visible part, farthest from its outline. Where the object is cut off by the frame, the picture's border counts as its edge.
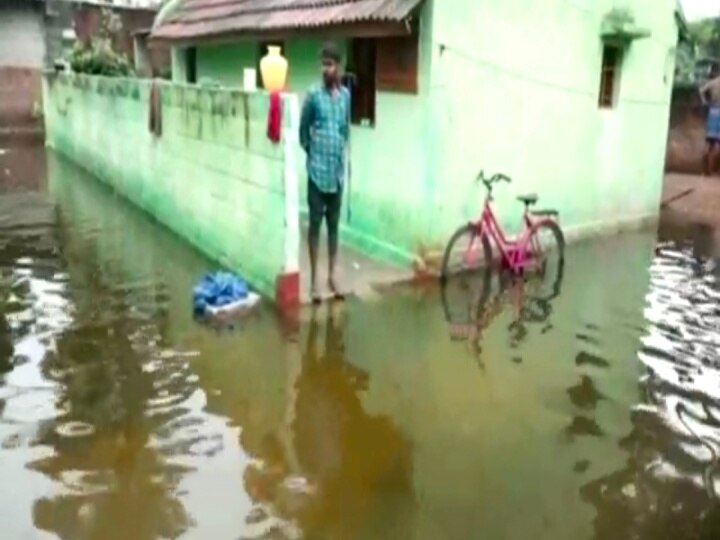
(274, 129)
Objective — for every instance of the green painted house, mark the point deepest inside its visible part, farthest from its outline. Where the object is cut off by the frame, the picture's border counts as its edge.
(569, 97)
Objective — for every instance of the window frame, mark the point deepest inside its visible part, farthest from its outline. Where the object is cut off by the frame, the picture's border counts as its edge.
(191, 65)
(610, 76)
(392, 53)
(363, 90)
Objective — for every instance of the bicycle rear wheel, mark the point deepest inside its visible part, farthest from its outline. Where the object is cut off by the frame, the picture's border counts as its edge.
(546, 250)
(466, 274)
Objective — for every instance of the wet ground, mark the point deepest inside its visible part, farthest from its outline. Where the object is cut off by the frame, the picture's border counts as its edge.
(592, 413)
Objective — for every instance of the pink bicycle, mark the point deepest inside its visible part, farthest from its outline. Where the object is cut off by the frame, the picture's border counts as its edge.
(470, 250)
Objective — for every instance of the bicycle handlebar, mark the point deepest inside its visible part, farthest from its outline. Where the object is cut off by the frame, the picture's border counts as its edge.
(499, 177)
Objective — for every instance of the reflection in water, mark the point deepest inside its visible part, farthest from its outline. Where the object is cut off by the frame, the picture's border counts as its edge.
(116, 392)
(530, 298)
(361, 464)
(344, 473)
(669, 487)
(120, 417)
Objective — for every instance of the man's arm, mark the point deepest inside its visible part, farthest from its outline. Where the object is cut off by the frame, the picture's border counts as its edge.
(703, 93)
(708, 89)
(306, 120)
(345, 129)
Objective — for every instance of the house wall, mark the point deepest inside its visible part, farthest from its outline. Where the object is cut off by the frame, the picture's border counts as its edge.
(22, 41)
(178, 65)
(225, 63)
(20, 92)
(388, 161)
(22, 53)
(507, 87)
(212, 176)
(515, 89)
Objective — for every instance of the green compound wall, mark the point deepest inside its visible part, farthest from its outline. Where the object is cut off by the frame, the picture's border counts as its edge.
(212, 176)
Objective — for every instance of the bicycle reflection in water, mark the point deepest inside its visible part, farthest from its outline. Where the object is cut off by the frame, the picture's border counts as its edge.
(470, 305)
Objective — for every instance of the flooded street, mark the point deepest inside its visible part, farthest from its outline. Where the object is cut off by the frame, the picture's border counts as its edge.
(594, 414)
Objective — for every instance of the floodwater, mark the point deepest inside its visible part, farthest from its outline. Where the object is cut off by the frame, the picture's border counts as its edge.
(590, 414)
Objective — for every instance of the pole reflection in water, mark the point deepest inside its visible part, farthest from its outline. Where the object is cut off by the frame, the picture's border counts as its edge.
(338, 472)
(121, 417)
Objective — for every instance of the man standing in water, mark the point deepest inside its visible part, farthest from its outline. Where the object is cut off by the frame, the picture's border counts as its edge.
(324, 132)
(710, 97)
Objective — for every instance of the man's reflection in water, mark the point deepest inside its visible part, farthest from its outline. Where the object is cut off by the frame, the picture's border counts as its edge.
(352, 471)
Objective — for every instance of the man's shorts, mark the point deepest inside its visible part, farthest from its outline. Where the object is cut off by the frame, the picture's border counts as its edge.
(712, 125)
(321, 204)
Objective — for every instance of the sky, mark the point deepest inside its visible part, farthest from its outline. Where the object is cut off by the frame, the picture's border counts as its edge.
(697, 9)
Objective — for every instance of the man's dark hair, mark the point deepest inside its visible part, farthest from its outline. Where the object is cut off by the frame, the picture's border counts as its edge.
(330, 51)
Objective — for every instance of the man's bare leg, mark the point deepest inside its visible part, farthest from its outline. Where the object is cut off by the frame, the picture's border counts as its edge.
(332, 266)
(333, 223)
(706, 159)
(332, 282)
(712, 157)
(313, 250)
(316, 210)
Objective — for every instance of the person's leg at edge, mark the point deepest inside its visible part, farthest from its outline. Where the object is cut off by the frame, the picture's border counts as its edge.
(334, 205)
(707, 169)
(710, 156)
(315, 207)
(712, 138)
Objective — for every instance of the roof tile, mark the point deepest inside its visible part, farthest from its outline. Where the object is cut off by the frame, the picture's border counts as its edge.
(194, 19)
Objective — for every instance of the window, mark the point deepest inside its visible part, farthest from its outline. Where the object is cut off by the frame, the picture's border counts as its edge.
(362, 67)
(261, 52)
(397, 64)
(191, 64)
(610, 77)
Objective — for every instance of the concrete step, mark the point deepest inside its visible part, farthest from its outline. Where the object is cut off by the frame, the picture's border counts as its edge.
(358, 275)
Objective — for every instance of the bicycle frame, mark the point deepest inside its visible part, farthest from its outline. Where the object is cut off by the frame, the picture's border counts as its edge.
(513, 251)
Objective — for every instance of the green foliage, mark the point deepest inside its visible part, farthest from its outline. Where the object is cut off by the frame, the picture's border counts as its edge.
(706, 34)
(704, 43)
(99, 58)
(685, 65)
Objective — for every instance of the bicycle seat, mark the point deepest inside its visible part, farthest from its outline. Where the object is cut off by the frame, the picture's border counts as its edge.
(546, 213)
(529, 199)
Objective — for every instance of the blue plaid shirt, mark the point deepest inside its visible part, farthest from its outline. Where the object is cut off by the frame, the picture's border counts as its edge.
(324, 130)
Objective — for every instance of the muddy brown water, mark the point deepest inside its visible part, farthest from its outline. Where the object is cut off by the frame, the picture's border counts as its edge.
(594, 414)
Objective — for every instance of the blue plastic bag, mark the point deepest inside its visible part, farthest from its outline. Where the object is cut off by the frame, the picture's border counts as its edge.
(218, 289)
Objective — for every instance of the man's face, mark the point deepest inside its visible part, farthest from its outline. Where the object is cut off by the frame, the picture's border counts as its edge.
(330, 71)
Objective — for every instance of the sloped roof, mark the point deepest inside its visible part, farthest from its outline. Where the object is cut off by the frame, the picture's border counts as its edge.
(193, 19)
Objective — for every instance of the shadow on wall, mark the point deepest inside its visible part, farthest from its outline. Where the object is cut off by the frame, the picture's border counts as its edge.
(686, 138)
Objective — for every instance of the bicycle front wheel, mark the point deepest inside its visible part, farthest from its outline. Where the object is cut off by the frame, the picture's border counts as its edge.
(467, 252)
(466, 274)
